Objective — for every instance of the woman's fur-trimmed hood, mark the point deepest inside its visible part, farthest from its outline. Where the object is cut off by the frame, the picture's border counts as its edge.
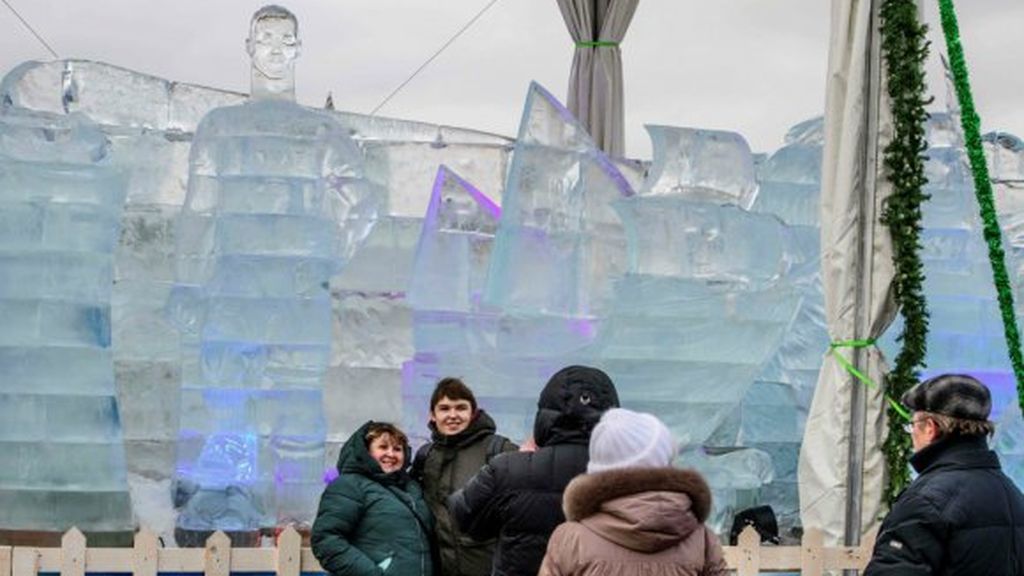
(586, 494)
(642, 509)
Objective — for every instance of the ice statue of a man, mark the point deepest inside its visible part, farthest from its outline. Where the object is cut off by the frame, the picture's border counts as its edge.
(277, 203)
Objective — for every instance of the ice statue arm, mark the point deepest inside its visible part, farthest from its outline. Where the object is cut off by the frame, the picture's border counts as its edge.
(476, 508)
(336, 522)
(714, 558)
(195, 227)
(910, 540)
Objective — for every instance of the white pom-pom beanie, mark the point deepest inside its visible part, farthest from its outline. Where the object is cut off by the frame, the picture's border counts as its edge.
(627, 439)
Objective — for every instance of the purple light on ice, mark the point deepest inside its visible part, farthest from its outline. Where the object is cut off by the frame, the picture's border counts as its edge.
(583, 327)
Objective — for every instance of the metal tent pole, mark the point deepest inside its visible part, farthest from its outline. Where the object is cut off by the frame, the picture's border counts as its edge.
(863, 297)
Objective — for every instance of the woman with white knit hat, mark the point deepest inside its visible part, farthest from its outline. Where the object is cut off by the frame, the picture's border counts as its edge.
(632, 513)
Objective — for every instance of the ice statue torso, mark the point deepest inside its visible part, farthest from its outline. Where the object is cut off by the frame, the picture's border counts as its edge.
(276, 204)
(271, 179)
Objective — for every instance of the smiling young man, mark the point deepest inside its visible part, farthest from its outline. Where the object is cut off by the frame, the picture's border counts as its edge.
(463, 440)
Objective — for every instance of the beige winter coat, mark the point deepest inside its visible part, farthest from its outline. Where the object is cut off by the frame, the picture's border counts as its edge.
(635, 521)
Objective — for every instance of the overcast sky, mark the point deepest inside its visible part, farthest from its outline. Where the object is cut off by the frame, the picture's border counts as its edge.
(752, 66)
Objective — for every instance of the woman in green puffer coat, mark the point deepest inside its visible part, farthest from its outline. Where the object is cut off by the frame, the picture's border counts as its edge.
(373, 520)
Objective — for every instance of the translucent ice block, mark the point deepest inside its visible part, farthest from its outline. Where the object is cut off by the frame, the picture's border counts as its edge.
(699, 164)
(672, 236)
(557, 219)
(60, 206)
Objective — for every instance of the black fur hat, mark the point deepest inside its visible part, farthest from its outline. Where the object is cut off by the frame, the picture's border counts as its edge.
(956, 395)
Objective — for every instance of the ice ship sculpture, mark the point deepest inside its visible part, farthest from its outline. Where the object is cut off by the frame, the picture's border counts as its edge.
(680, 298)
(533, 285)
(60, 434)
(277, 202)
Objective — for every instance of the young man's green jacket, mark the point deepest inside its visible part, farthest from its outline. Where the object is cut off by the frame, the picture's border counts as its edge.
(443, 467)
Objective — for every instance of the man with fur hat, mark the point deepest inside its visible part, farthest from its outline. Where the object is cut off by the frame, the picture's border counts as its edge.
(517, 497)
(632, 513)
(961, 515)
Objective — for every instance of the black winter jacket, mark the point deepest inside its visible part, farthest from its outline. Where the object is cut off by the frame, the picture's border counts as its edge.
(961, 516)
(518, 496)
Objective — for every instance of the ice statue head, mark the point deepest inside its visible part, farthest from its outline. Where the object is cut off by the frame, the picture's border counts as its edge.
(273, 45)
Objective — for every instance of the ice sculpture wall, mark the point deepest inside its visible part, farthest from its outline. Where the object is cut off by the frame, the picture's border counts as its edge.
(60, 434)
(703, 312)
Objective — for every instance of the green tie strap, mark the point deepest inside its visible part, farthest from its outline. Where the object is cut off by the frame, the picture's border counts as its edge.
(597, 44)
(860, 375)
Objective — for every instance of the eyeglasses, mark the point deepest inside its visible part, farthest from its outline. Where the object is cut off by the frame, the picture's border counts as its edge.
(909, 426)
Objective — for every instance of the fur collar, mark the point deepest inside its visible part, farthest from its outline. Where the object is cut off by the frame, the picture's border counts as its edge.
(586, 493)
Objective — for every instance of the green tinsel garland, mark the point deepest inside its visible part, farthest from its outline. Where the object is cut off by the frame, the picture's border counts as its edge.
(905, 49)
(971, 124)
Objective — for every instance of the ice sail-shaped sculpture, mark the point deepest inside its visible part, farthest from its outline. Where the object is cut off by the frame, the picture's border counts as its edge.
(452, 327)
(276, 204)
(455, 246)
(60, 434)
(557, 219)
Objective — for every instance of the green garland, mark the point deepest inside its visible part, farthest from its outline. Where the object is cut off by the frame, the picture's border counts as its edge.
(971, 124)
(905, 49)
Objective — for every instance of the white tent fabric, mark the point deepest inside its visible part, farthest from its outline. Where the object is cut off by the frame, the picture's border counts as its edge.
(595, 83)
(857, 272)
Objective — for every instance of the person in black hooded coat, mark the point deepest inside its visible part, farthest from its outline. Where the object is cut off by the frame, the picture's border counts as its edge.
(517, 497)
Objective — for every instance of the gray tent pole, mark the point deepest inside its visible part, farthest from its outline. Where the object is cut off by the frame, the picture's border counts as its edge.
(863, 301)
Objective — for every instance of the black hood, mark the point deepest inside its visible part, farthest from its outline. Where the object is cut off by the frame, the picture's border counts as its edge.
(571, 404)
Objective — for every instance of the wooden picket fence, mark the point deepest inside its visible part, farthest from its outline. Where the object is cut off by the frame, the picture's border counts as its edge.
(147, 558)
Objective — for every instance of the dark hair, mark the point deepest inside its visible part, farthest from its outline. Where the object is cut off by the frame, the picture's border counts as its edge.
(454, 389)
(950, 426)
(378, 429)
